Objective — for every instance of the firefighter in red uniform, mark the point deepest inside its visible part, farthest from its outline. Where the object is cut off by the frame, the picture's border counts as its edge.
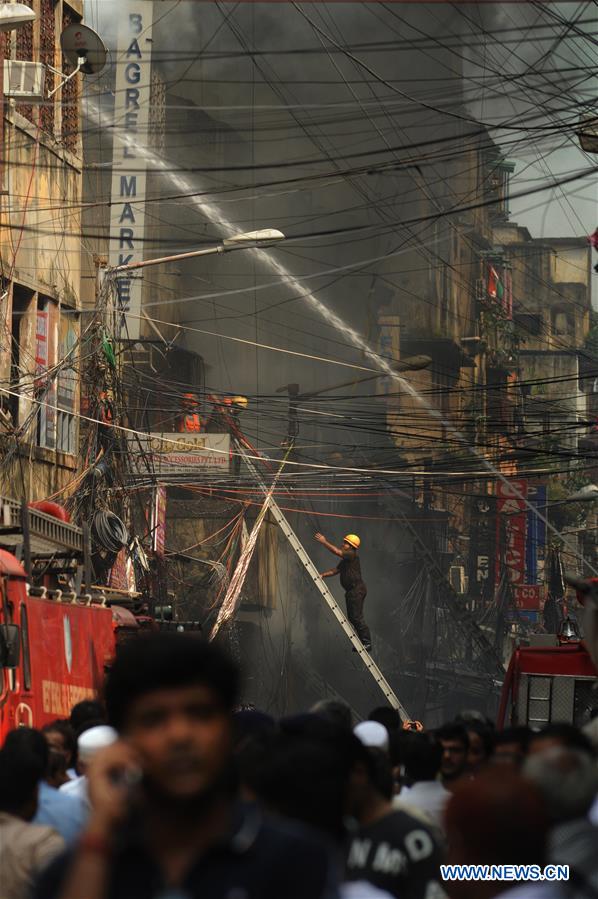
(189, 422)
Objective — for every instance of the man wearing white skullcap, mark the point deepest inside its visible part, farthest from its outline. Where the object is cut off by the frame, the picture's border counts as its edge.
(372, 734)
(89, 742)
(386, 832)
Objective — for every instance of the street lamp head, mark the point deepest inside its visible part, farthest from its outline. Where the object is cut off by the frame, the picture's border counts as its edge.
(253, 238)
(14, 15)
(585, 495)
(411, 363)
(588, 133)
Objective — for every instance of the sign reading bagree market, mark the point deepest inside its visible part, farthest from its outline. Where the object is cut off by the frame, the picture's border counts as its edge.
(129, 161)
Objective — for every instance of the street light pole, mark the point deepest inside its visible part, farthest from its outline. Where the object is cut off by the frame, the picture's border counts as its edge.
(247, 240)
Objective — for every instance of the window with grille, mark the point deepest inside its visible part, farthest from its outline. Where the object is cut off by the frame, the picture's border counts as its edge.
(45, 385)
(70, 94)
(23, 40)
(66, 420)
(47, 50)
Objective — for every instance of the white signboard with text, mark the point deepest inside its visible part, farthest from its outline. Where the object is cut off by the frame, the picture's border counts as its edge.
(184, 455)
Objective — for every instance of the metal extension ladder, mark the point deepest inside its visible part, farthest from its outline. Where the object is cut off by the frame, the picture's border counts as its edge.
(329, 599)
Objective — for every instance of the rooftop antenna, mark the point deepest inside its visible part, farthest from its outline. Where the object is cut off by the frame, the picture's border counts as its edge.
(84, 49)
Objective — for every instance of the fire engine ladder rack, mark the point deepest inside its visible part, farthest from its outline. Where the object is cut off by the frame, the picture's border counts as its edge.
(46, 532)
(329, 599)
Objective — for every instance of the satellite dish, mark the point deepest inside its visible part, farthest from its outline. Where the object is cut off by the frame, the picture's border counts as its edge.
(79, 43)
(13, 15)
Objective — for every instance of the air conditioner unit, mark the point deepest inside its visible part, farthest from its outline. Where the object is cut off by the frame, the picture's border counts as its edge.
(24, 80)
(458, 579)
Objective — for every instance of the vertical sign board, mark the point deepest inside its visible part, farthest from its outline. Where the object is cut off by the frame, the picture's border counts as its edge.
(41, 368)
(158, 522)
(536, 535)
(511, 527)
(41, 346)
(482, 547)
(45, 354)
(129, 161)
(67, 386)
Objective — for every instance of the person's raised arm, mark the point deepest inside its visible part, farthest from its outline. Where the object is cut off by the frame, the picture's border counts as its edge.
(329, 546)
(108, 775)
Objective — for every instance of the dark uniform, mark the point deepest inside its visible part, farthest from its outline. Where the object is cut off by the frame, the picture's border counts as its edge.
(352, 583)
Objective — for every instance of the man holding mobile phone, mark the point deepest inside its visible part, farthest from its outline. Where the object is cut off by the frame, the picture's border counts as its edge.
(165, 820)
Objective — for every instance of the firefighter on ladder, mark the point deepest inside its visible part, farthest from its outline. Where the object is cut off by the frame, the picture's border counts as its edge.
(352, 583)
(188, 422)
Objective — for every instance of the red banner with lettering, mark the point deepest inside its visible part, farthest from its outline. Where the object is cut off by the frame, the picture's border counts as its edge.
(511, 523)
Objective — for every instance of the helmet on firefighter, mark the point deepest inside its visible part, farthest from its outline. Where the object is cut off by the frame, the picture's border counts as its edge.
(190, 400)
(240, 402)
(353, 540)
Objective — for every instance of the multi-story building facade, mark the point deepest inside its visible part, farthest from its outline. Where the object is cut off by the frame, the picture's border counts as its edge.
(40, 279)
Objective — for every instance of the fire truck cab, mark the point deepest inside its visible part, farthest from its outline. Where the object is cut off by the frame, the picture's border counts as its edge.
(53, 653)
(548, 682)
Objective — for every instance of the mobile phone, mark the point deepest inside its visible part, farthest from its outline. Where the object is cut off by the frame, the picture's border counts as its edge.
(126, 778)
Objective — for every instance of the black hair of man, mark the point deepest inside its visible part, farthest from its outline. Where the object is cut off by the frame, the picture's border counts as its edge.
(519, 734)
(84, 711)
(163, 661)
(421, 756)
(19, 779)
(397, 740)
(56, 766)
(380, 772)
(567, 735)
(250, 723)
(452, 730)
(64, 727)
(334, 710)
(306, 772)
(386, 715)
(88, 725)
(32, 744)
(467, 716)
(485, 733)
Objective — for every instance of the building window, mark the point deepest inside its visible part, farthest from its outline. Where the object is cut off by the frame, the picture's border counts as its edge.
(529, 323)
(563, 323)
(20, 358)
(45, 386)
(24, 52)
(66, 420)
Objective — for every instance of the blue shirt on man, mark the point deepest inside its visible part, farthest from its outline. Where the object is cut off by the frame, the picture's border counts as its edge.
(66, 814)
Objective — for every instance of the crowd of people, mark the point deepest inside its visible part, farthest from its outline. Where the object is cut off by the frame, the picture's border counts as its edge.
(168, 789)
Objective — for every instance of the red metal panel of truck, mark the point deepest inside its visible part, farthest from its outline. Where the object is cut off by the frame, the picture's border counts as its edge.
(548, 683)
(64, 649)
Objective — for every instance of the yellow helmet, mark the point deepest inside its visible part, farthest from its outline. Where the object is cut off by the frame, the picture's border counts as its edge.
(240, 402)
(353, 540)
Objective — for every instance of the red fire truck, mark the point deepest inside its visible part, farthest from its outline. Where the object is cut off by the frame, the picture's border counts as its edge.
(555, 677)
(58, 632)
(53, 653)
(549, 681)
